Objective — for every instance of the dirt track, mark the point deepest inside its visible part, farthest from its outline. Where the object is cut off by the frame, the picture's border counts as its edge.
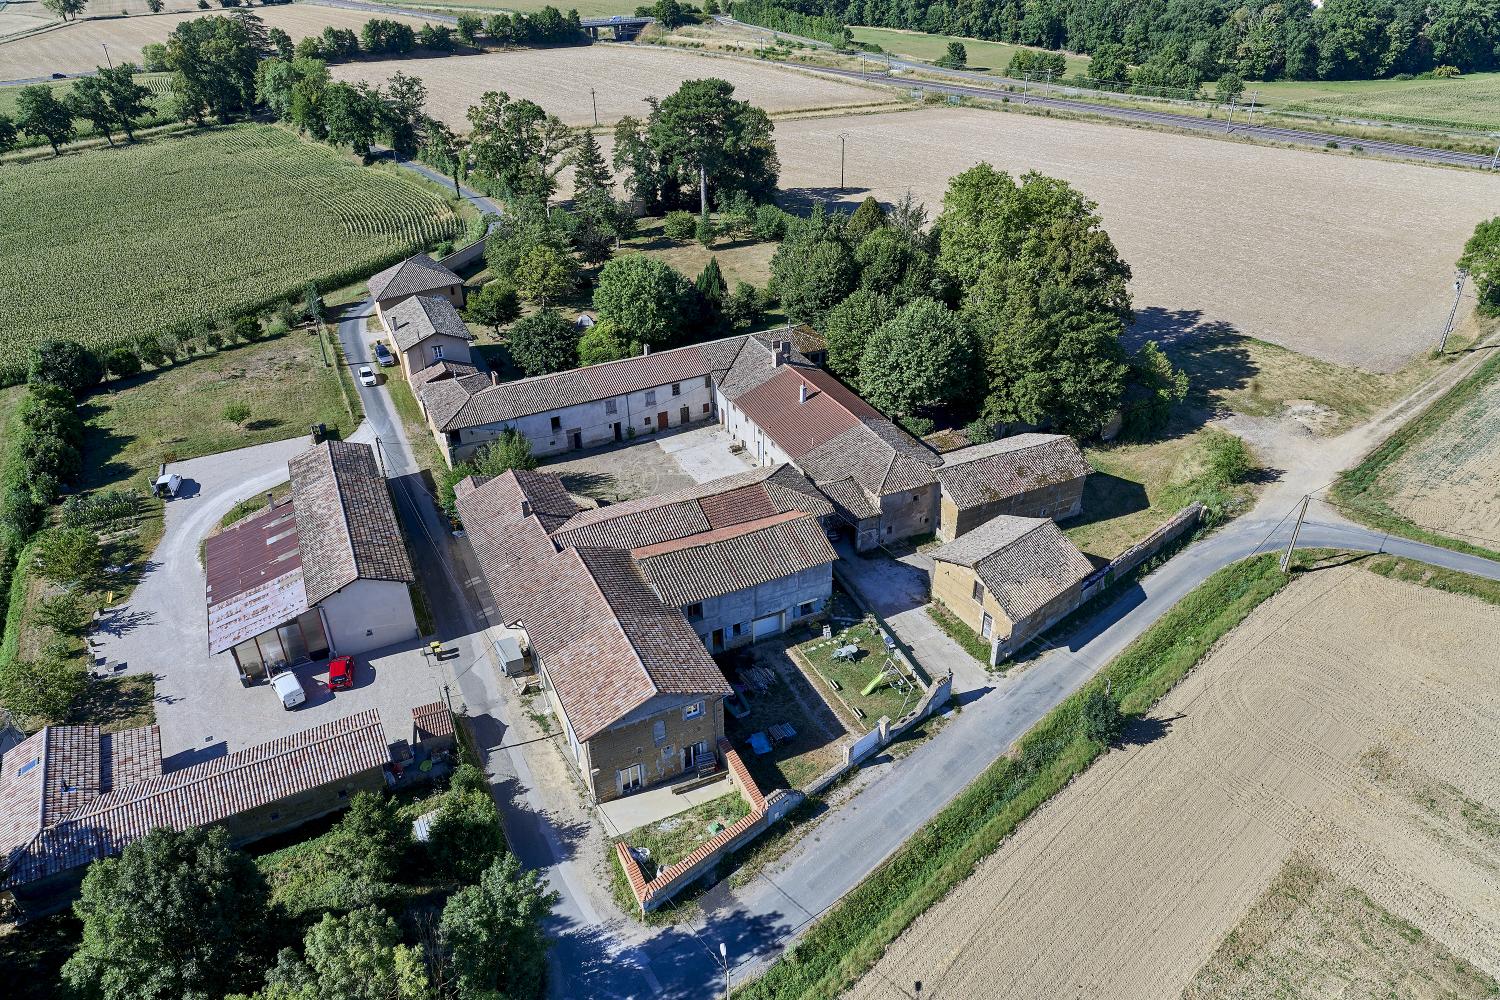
(1353, 720)
(621, 76)
(1343, 258)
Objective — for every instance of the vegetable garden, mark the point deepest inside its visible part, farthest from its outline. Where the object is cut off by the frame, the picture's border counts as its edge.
(105, 247)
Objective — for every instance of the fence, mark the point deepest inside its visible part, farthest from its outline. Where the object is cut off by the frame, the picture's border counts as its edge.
(885, 732)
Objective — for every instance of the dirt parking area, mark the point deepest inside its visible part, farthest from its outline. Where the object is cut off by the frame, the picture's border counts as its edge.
(1349, 729)
(1344, 258)
(649, 465)
(568, 81)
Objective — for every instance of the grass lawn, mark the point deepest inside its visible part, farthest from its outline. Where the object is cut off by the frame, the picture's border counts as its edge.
(791, 699)
(586, 8)
(202, 225)
(991, 57)
(670, 840)
(848, 679)
(740, 260)
(251, 504)
(1471, 100)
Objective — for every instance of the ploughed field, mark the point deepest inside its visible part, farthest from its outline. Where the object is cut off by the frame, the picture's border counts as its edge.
(1314, 811)
(76, 47)
(105, 246)
(1344, 258)
(620, 76)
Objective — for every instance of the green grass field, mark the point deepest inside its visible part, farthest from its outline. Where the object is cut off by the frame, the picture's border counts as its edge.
(585, 8)
(106, 245)
(984, 56)
(1470, 101)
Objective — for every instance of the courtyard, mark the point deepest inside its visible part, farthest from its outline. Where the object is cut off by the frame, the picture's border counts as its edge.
(650, 465)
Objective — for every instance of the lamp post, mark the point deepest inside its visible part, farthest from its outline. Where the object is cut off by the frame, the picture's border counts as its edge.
(724, 961)
(842, 137)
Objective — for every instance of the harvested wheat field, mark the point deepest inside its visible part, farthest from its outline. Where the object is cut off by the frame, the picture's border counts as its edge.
(1346, 259)
(621, 76)
(1333, 765)
(1448, 480)
(77, 47)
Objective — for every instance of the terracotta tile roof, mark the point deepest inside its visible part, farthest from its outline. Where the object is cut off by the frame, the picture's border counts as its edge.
(346, 523)
(429, 721)
(415, 274)
(1024, 561)
(253, 576)
(984, 473)
(444, 369)
(725, 560)
(130, 756)
(413, 320)
(206, 793)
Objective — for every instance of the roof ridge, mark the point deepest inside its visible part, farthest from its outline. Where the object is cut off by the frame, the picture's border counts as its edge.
(338, 483)
(618, 361)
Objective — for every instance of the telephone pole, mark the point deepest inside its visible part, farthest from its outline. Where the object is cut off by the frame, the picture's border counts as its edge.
(842, 137)
(1458, 294)
(595, 102)
(1286, 557)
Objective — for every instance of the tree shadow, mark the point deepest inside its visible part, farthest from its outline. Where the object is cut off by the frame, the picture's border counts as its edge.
(801, 200)
(1212, 353)
(537, 838)
(263, 424)
(594, 485)
(1106, 497)
(1147, 730)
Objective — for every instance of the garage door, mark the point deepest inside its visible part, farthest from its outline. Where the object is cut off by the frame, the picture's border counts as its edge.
(762, 627)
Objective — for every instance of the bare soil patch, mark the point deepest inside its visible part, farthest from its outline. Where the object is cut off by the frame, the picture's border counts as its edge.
(1127, 882)
(1346, 259)
(77, 47)
(620, 76)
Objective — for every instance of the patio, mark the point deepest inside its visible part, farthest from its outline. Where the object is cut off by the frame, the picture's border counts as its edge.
(620, 816)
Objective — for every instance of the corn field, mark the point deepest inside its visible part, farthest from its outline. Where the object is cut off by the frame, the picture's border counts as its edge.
(109, 245)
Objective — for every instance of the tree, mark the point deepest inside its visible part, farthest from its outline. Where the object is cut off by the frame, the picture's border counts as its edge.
(352, 115)
(679, 225)
(704, 231)
(494, 305)
(644, 296)
(7, 133)
(41, 689)
(291, 89)
(492, 932)
(68, 10)
(122, 362)
(177, 915)
(213, 62)
(370, 840)
(42, 116)
(701, 133)
(1109, 64)
(69, 555)
(356, 956)
(745, 306)
(543, 343)
(465, 837)
(1229, 88)
(64, 363)
(592, 181)
(956, 57)
(545, 273)
(518, 145)
(866, 219)
(848, 325)
(62, 612)
(600, 343)
(813, 269)
(1481, 258)
(87, 101)
(404, 119)
(920, 359)
(1099, 718)
(1154, 388)
(469, 26)
(156, 6)
(128, 101)
(711, 285)
(282, 44)
(892, 263)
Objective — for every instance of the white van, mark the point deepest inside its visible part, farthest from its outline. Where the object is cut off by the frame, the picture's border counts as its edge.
(289, 689)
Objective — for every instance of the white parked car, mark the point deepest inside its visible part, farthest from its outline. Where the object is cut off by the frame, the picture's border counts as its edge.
(367, 376)
(289, 689)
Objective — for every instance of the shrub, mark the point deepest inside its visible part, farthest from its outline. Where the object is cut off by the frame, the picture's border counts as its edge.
(149, 350)
(770, 223)
(41, 689)
(64, 363)
(1099, 718)
(62, 613)
(1226, 456)
(679, 225)
(979, 431)
(236, 413)
(704, 231)
(95, 510)
(371, 839)
(245, 328)
(122, 362)
(69, 555)
(465, 837)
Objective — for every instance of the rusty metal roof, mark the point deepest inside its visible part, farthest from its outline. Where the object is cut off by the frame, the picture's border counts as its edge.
(254, 576)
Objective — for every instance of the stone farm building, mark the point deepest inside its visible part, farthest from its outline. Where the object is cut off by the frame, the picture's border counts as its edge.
(70, 795)
(419, 275)
(622, 605)
(324, 571)
(1027, 475)
(1009, 579)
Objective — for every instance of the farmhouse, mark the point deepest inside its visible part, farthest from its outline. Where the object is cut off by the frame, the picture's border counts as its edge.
(1027, 475)
(621, 605)
(1009, 579)
(419, 275)
(70, 795)
(323, 571)
(428, 332)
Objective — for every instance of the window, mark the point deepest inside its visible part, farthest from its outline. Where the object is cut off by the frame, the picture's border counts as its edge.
(708, 381)
(694, 611)
(557, 423)
(692, 711)
(677, 388)
(705, 407)
(805, 608)
(647, 421)
(659, 732)
(739, 628)
(978, 592)
(650, 397)
(986, 625)
(609, 406)
(437, 352)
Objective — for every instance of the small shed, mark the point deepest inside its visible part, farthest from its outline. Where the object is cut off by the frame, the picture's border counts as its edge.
(432, 727)
(508, 653)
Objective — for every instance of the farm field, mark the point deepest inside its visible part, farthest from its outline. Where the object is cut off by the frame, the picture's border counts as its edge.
(1331, 763)
(25, 16)
(221, 221)
(586, 8)
(1345, 259)
(160, 85)
(77, 47)
(984, 56)
(1472, 100)
(622, 77)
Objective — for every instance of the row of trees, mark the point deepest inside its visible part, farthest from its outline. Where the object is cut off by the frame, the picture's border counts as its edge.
(182, 914)
(111, 101)
(1187, 42)
(1010, 308)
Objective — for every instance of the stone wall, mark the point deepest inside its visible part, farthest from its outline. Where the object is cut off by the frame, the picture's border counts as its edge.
(1058, 501)
(634, 743)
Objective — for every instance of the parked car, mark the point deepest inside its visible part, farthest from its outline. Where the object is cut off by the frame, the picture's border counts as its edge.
(341, 673)
(367, 376)
(383, 354)
(289, 689)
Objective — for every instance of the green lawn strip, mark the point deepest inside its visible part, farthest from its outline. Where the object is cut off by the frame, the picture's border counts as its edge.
(15, 608)
(972, 642)
(1362, 495)
(1436, 577)
(853, 935)
(117, 703)
(251, 504)
(419, 436)
(852, 676)
(670, 840)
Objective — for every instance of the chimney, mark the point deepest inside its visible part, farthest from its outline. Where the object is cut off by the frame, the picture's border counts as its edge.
(776, 358)
(525, 508)
(494, 378)
(645, 349)
(802, 393)
(786, 349)
(270, 499)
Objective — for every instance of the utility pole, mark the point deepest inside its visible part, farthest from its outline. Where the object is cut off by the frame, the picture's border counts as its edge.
(1250, 115)
(1286, 557)
(702, 191)
(1458, 294)
(842, 137)
(1230, 126)
(106, 56)
(724, 964)
(1495, 160)
(595, 102)
(380, 454)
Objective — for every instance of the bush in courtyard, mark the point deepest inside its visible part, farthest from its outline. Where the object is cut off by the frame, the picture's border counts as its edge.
(679, 225)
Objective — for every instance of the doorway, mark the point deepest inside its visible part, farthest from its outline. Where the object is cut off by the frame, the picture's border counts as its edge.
(575, 439)
(632, 779)
(619, 432)
(685, 415)
(695, 755)
(662, 422)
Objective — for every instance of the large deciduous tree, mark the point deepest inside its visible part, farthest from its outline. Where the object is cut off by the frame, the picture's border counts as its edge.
(701, 132)
(493, 935)
(41, 115)
(543, 343)
(1481, 258)
(920, 359)
(355, 956)
(128, 100)
(813, 269)
(847, 327)
(517, 145)
(213, 62)
(644, 299)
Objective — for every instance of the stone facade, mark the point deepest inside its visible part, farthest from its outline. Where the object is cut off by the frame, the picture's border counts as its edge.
(1058, 501)
(908, 514)
(729, 621)
(655, 740)
(953, 587)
